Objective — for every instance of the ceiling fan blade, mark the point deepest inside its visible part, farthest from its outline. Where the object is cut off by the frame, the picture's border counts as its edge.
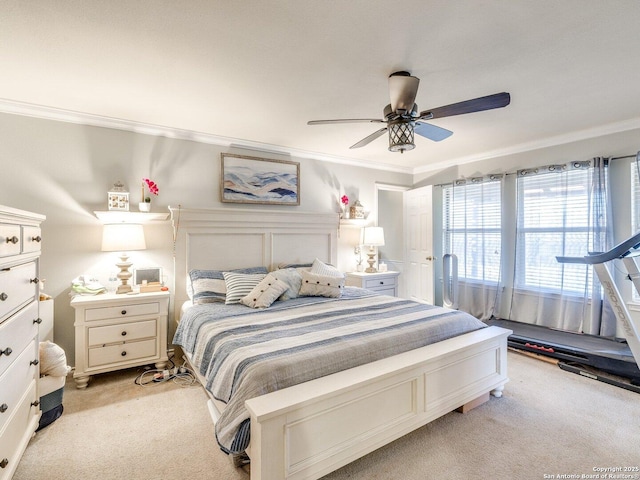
(431, 131)
(403, 89)
(369, 139)
(345, 120)
(497, 100)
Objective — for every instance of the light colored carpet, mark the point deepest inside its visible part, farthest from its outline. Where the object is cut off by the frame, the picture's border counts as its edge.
(549, 422)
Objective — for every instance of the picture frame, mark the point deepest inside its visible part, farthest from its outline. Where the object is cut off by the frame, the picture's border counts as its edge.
(150, 274)
(257, 180)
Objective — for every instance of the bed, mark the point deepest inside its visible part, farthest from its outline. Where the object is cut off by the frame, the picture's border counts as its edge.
(316, 425)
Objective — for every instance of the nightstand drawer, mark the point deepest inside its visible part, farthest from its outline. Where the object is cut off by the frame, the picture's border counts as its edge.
(16, 333)
(124, 332)
(18, 287)
(378, 282)
(122, 311)
(18, 376)
(122, 353)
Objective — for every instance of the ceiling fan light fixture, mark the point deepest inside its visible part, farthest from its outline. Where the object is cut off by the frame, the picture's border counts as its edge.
(401, 137)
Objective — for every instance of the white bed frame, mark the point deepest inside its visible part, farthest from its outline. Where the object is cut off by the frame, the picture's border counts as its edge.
(311, 429)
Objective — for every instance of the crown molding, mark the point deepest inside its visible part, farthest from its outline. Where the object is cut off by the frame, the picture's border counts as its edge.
(600, 131)
(81, 118)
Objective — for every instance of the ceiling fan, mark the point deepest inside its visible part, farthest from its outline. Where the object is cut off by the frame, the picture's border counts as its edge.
(403, 120)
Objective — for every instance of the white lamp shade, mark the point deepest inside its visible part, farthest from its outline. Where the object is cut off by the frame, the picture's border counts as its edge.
(373, 236)
(123, 237)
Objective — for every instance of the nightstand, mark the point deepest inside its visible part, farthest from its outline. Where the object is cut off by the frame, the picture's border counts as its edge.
(119, 331)
(384, 283)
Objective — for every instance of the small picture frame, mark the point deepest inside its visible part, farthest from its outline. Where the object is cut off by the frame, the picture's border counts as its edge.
(147, 275)
(118, 197)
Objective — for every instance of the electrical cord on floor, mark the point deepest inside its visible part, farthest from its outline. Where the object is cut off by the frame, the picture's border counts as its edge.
(182, 376)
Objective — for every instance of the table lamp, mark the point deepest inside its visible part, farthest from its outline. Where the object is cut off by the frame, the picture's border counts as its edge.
(123, 237)
(372, 237)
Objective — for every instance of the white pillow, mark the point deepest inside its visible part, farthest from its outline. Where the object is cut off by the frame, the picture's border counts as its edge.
(265, 293)
(240, 285)
(321, 285)
(321, 268)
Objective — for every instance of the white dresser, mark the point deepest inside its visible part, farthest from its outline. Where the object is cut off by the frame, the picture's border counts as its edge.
(384, 283)
(115, 331)
(20, 240)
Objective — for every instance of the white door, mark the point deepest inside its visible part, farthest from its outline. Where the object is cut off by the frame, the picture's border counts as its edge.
(419, 228)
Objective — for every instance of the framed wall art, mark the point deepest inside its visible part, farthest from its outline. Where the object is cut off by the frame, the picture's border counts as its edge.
(259, 180)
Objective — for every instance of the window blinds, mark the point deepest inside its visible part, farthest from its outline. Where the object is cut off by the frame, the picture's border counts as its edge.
(553, 219)
(472, 228)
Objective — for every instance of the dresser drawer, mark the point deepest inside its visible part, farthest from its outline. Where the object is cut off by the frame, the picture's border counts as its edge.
(122, 353)
(14, 438)
(17, 287)
(122, 311)
(10, 240)
(16, 381)
(16, 333)
(31, 239)
(123, 332)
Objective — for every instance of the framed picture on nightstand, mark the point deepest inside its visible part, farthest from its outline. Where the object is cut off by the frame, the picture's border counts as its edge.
(148, 274)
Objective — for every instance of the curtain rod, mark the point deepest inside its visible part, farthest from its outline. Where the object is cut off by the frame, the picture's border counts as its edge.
(626, 156)
(637, 155)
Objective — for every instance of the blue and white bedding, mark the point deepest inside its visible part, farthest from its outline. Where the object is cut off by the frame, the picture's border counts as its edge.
(244, 353)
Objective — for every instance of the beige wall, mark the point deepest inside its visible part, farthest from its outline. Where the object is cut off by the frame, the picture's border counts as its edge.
(64, 170)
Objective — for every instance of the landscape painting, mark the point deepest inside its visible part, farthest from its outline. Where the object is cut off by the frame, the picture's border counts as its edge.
(259, 180)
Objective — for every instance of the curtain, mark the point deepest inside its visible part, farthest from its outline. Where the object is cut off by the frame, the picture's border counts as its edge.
(562, 210)
(472, 232)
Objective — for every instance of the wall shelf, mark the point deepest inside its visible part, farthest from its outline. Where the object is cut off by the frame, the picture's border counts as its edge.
(353, 222)
(116, 216)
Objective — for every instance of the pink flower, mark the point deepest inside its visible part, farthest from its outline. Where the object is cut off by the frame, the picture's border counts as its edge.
(344, 200)
(153, 188)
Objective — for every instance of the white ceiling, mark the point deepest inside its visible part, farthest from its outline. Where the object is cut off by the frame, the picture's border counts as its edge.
(255, 71)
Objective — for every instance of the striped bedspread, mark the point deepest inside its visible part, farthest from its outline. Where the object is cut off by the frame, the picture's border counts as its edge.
(244, 353)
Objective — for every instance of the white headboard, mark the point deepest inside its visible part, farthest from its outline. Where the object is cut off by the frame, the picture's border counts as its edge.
(231, 238)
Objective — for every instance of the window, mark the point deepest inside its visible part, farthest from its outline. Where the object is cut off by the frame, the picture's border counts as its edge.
(472, 228)
(635, 198)
(554, 219)
(635, 212)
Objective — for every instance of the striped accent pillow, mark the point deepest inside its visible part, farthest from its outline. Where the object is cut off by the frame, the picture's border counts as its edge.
(325, 270)
(208, 286)
(239, 285)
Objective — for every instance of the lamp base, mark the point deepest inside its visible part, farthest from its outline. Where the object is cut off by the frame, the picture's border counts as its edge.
(371, 261)
(124, 274)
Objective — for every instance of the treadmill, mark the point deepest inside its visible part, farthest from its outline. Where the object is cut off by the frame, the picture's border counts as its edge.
(606, 360)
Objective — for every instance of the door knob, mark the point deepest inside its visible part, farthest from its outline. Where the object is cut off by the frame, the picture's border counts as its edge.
(430, 258)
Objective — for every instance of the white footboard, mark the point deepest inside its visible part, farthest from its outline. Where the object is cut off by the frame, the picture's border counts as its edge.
(311, 429)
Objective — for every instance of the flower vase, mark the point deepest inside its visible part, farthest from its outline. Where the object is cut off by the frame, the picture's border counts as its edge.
(144, 206)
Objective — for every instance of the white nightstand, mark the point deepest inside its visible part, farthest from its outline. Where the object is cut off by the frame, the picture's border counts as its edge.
(385, 283)
(119, 331)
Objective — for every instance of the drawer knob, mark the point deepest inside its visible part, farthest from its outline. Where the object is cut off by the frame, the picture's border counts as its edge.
(4, 462)
(38, 321)
(7, 351)
(37, 239)
(34, 280)
(34, 362)
(123, 312)
(124, 333)
(124, 354)
(4, 407)
(381, 282)
(3, 296)
(13, 240)
(35, 403)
